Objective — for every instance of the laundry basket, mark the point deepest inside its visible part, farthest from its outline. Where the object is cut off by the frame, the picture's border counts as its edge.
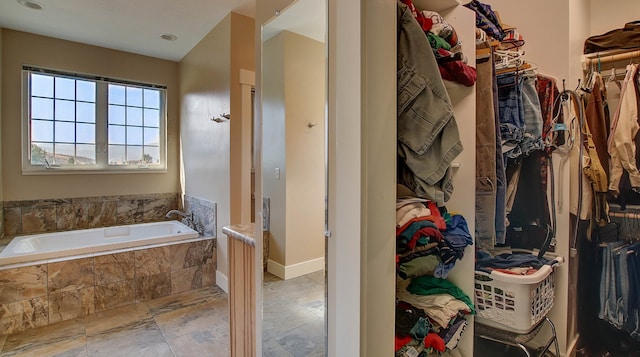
(515, 303)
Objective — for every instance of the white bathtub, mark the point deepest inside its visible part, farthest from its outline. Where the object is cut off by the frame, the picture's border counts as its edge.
(85, 241)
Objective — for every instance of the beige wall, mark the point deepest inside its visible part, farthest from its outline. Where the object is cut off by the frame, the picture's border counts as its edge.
(273, 143)
(1, 175)
(242, 57)
(205, 93)
(305, 100)
(20, 48)
(610, 15)
(294, 96)
(209, 86)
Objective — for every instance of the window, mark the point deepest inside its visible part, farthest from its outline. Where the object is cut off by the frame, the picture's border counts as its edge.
(86, 123)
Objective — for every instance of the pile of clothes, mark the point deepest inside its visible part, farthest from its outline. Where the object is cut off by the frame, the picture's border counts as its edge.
(429, 309)
(511, 263)
(428, 242)
(429, 316)
(445, 46)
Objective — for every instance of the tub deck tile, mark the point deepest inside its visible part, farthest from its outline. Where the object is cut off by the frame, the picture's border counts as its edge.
(114, 295)
(186, 279)
(187, 255)
(152, 287)
(152, 261)
(36, 219)
(66, 218)
(23, 283)
(23, 315)
(112, 268)
(12, 220)
(71, 275)
(129, 212)
(67, 305)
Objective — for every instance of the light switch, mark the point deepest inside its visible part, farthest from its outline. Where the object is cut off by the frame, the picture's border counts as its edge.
(277, 173)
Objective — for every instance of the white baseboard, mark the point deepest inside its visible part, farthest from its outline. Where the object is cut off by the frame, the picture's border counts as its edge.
(222, 281)
(294, 270)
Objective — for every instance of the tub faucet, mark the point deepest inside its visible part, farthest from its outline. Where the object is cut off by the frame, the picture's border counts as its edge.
(187, 219)
(178, 213)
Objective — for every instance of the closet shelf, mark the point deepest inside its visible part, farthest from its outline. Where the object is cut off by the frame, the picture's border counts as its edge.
(611, 56)
(436, 5)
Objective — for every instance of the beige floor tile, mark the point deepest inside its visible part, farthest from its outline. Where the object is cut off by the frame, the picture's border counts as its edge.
(178, 301)
(35, 338)
(189, 324)
(73, 346)
(212, 341)
(188, 319)
(3, 339)
(141, 339)
(116, 318)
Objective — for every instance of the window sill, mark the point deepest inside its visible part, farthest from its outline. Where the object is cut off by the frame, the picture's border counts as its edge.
(61, 171)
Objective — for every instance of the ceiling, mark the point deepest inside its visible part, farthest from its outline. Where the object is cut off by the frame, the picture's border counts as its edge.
(305, 17)
(127, 25)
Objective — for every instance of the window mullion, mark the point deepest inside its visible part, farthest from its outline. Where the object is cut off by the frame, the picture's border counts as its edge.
(102, 109)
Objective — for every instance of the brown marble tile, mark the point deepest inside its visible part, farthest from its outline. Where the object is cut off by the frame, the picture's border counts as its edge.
(129, 211)
(82, 200)
(95, 214)
(209, 251)
(12, 220)
(204, 212)
(188, 319)
(142, 339)
(119, 318)
(114, 267)
(67, 305)
(208, 275)
(38, 219)
(154, 209)
(152, 261)
(24, 314)
(12, 204)
(108, 215)
(23, 283)
(114, 295)
(177, 301)
(3, 339)
(71, 275)
(66, 218)
(186, 279)
(187, 255)
(152, 287)
(1, 223)
(52, 340)
(212, 341)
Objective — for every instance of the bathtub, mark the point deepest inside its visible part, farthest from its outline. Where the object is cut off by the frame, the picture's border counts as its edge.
(30, 248)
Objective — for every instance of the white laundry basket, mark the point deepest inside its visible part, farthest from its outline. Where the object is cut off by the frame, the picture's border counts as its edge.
(514, 303)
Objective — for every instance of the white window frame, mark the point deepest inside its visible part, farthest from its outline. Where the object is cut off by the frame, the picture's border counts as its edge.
(101, 124)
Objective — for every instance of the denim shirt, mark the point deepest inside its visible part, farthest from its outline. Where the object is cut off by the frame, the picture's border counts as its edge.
(428, 138)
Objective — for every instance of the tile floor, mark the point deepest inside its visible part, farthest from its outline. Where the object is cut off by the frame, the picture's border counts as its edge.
(293, 316)
(195, 323)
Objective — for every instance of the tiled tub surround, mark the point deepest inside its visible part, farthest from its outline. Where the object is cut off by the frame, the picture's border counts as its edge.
(52, 245)
(53, 291)
(204, 213)
(51, 215)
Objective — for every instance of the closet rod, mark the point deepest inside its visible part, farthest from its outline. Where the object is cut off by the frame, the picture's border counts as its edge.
(595, 58)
